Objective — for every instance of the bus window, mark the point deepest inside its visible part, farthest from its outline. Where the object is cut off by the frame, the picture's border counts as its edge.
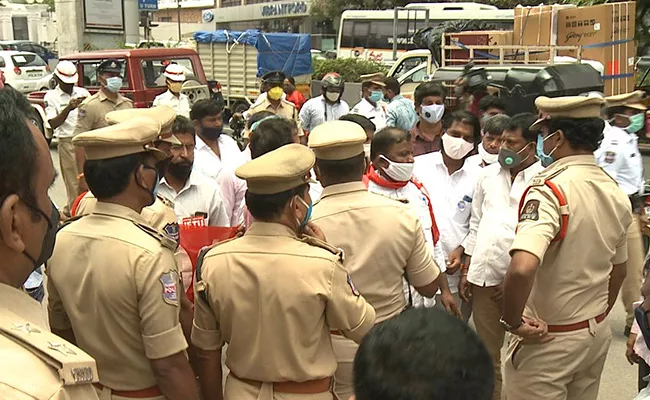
(361, 34)
(408, 65)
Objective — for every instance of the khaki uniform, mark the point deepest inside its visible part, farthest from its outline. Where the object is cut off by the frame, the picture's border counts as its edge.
(92, 111)
(571, 284)
(37, 364)
(286, 110)
(382, 241)
(123, 300)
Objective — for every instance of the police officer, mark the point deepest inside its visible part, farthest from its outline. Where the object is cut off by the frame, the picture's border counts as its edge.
(93, 109)
(274, 294)
(36, 364)
(274, 101)
(113, 283)
(380, 237)
(619, 156)
(568, 260)
(174, 77)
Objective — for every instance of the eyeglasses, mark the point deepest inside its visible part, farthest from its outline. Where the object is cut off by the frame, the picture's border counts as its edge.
(180, 147)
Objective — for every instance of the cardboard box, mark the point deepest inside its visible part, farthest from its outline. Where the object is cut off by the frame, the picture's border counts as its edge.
(477, 38)
(606, 34)
(537, 26)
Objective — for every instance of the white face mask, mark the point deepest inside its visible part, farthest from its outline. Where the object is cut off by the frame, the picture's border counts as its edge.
(433, 113)
(456, 148)
(399, 172)
(487, 157)
(366, 150)
(333, 97)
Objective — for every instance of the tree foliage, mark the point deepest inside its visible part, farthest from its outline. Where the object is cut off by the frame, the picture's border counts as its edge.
(350, 69)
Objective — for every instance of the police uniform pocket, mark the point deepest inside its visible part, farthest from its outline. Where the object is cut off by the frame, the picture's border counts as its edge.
(514, 351)
(463, 208)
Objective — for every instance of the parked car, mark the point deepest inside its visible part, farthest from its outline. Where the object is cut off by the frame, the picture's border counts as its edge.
(26, 45)
(25, 72)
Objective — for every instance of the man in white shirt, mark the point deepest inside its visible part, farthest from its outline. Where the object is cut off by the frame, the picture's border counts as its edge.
(217, 156)
(372, 105)
(391, 175)
(450, 181)
(328, 106)
(61, 110)
(495, 213)
(174, 77)
(192, 193)
(488, 150)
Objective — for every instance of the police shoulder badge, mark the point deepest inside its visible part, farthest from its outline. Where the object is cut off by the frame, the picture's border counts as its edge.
(355, 291)
(530, 212)
(172, 230)
(169, 282)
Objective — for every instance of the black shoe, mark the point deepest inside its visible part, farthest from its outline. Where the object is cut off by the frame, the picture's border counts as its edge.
(627, 330)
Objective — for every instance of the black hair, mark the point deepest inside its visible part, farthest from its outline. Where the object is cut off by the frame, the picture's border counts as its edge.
(427, 89)
(495, 125)
(491, 101)
(342, 171)
(383, 140)
(467, 118)
(182, 125)
(256, 117)
(271, 135)
(392, 84)
(423, 353)
(18, 151)
(612, 111)
(523, 121)
(291, 80)
(581, 133)
(110, 177)
(266, 207)
(358, 119)
(205, 108)
(366, 84)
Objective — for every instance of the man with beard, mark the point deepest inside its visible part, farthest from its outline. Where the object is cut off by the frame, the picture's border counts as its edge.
(192, 193)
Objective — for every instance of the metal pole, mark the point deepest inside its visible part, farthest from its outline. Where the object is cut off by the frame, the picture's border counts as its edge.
(178, 17)
(395, 33)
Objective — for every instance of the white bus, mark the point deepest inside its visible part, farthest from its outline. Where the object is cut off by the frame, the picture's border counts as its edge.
(368, 34)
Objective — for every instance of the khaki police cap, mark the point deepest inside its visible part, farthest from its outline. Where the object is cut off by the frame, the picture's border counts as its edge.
(163, 114)
(337, 140)
(631, 100)
(279, 170)
(136, 135)
(567, 107)
(377, 79)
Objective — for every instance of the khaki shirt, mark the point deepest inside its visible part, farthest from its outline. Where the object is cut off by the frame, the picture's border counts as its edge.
(36, 364)
(91, 112)
(113, 280)
(572, 281)
(274, 299)
(286, 109)
(381, 239)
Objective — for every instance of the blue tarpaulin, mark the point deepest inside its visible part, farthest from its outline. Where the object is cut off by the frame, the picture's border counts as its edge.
(286, 52)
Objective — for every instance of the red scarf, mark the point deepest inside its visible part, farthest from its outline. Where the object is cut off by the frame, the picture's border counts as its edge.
(372, 175)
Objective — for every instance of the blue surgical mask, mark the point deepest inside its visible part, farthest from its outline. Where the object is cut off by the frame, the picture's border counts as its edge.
(636, 123)
(376, 95)
(546, 159)
(303, 223)
(113, 84)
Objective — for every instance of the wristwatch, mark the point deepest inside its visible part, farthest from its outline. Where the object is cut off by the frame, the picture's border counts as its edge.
(507, 326)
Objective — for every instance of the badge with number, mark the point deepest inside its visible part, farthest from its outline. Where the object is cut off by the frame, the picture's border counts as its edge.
(169, 282)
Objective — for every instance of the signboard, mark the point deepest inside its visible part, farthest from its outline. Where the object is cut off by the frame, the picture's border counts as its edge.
(147, 5)
(104, 14)
(298, 7)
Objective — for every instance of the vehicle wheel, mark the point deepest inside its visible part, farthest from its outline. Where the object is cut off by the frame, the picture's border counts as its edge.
(240, 107)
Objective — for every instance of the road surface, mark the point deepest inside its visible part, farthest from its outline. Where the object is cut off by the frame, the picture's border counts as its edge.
(619, 377)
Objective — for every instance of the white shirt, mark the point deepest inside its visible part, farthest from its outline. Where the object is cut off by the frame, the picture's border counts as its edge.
(180, 104)
(419, 204)
(55, 101)
(495, 213)
(315, 187)
(376, 114)
(619, 156)
(199, 195)
(451, 198)
(317, 111)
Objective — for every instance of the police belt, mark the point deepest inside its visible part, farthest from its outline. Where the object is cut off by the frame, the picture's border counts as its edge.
(153, 391)
(314, 386)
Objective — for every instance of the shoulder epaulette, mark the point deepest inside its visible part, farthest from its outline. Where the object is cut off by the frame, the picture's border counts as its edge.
(166, 201)
(310, 240)
(73, 365)
(542, 177)
(165, 240)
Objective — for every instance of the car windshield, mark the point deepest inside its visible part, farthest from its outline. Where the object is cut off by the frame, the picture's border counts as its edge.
(152, 70)
(27, 60)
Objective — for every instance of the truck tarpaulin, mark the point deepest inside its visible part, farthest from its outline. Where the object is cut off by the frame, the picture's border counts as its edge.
(286, 52)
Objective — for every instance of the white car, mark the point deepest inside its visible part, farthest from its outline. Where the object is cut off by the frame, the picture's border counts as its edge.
(24, 71)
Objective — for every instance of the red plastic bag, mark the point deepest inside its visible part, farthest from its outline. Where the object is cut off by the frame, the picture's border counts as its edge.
(195, 235)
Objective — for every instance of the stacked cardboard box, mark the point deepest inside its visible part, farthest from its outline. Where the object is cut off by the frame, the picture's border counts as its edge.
(537, 26)
(477, 38)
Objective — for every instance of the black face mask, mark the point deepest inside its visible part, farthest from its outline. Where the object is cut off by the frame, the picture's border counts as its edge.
(47, 246)
(181, 170)
(211, 133)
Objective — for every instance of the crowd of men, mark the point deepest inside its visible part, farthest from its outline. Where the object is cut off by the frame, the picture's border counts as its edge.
(367, 238)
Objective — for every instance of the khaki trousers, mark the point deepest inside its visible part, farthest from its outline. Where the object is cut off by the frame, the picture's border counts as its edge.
(344, 351)
(566, 368)
(68, 165)
(238, 390)
(631, 290)
(487, 314)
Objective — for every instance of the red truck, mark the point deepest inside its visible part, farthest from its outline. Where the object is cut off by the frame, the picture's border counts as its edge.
(142, 73)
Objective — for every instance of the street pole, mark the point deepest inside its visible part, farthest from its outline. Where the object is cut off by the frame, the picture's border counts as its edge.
(178, 16)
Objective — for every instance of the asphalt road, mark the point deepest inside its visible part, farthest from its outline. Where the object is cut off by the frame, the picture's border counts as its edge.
(619, 377)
